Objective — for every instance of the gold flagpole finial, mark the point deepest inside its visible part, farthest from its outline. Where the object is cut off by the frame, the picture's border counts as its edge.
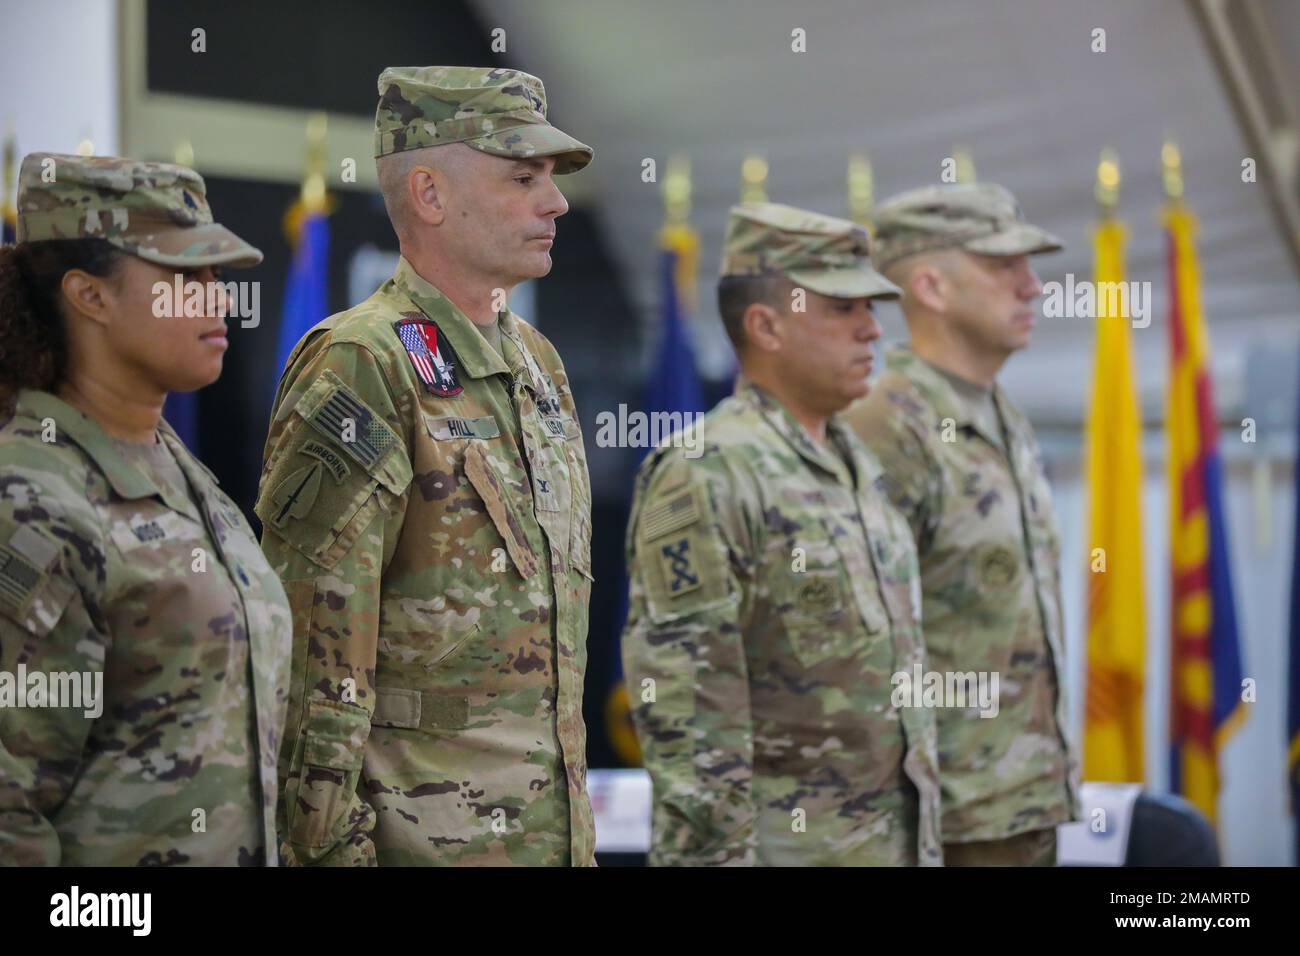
(677, 234)
(964, 164)
(1172, 162)
(313, 184)
(1107, 191)
(183, 154)
(862, 189)
(10, 173)
(677, 190)
(753, 179)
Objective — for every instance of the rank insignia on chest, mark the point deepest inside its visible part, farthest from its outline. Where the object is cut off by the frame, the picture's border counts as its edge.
(431, 355)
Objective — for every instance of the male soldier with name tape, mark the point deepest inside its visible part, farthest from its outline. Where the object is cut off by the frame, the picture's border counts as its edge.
(962, 465)
(774, 591)
(425, 499)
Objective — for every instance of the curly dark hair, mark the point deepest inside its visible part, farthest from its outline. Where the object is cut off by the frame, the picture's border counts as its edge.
(33, 337)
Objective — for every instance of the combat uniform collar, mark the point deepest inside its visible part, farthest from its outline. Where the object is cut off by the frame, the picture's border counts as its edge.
(475, 357)
(944, 399)
(798, 438)
(195, 471)
(83, 430)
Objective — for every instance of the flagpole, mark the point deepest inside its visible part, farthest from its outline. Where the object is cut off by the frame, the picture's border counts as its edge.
(862, 191)
(753, 179)
(8, 212)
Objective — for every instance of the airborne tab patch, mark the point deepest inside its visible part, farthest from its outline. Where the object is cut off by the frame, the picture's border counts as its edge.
(328, 457)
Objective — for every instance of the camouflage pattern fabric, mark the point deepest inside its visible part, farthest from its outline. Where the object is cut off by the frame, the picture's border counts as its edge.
(828, 255)
(1034, 848)
(427, 504)
(990, 579)
(502, 112)
(774, 593)
(156, 211)
(102, 572)
(978, 217)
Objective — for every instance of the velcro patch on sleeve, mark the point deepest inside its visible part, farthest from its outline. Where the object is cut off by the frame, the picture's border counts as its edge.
(18, 579)
(294, 496)
(683, 560)
(25, 556)
(670, 514)
(677, 564)
(30, 593)
(349, 422)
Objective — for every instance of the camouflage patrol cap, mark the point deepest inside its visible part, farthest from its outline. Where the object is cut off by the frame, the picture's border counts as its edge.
(502, 112)
(828, 255)
(977, 217)
(156, 211)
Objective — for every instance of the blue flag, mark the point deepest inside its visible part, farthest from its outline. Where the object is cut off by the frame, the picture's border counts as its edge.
(674, 382)
(306, 296)
(674, 386)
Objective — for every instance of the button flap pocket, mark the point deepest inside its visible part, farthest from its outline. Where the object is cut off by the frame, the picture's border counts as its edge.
(488, 483)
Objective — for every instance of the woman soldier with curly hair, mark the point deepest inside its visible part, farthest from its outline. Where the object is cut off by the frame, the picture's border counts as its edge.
(144, 640)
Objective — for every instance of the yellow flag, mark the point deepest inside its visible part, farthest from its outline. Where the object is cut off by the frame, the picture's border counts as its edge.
(1112, 749)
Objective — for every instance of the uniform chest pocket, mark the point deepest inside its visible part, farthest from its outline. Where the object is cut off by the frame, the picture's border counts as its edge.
(491, 487)
(819, 617)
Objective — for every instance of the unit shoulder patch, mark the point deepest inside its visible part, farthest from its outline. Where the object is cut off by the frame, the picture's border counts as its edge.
(430, 353)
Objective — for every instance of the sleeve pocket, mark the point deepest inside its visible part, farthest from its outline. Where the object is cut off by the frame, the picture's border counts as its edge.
(333, 750)
(335, 735)
(487, 482)
(320, 499)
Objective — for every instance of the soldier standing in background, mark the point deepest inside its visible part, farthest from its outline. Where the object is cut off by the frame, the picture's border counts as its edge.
(962, 465)
(774, 591)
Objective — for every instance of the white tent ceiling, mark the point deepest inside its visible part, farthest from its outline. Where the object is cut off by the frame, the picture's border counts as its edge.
(1015, 81)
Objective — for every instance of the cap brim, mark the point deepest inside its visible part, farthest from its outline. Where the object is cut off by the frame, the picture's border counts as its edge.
(532, 140)
(856, 282)
(1021, 239)
(211, 244)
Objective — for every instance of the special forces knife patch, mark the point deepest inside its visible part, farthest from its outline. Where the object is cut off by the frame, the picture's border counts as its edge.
(431, 355)
(293, 497)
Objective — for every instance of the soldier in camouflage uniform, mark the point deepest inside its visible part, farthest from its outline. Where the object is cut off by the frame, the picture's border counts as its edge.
(962, 464)
(121, 561)
(425, 499)
(774, 591)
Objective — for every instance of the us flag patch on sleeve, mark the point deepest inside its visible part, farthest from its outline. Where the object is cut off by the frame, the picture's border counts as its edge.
(431, 355)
